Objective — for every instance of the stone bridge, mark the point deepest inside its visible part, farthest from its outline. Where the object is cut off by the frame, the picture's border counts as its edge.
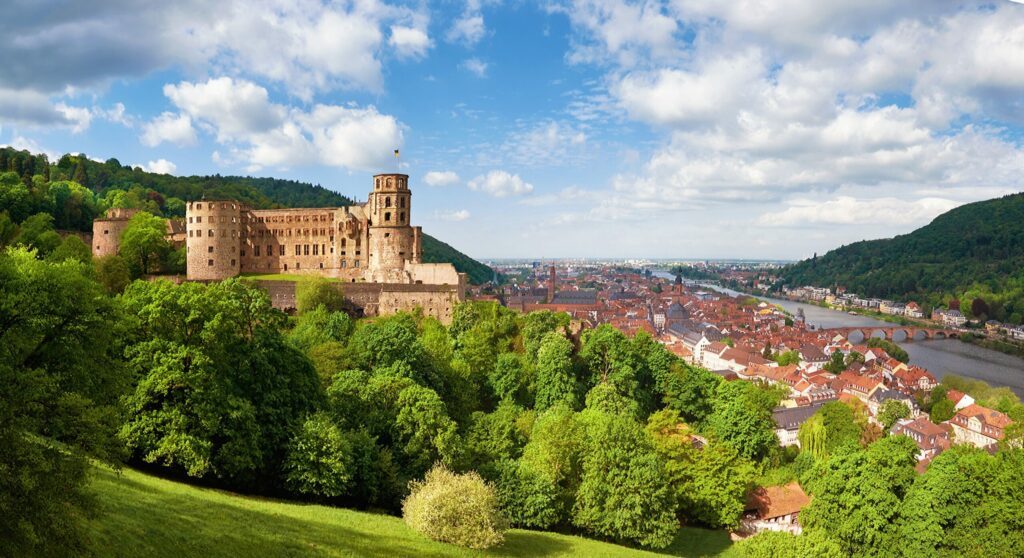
(893, 333)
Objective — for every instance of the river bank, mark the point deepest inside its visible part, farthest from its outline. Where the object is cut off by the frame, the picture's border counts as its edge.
(942, 357)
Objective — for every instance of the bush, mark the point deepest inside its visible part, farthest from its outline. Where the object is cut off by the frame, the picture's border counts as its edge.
(319, 460)
(454, 508)
(318, 291)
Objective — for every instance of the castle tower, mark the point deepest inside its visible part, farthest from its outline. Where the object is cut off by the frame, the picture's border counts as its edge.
(392, 241)
(214, 238)
(107, 231)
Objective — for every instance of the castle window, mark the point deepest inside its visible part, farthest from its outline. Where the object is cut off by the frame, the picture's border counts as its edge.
(280, 251)
(321, 265)
(305, 249)
(189, 219)
(357, 263)
(387, 216)
(209, 249)
(232, 262)
(387, 235)
(210, 233)
(296, 265)
(343, 243)
(256, 251)
(344, 264)
(199, 206)
(298, 250)
(270, 249)
(286, 267)
(223, 206)
(316, 249)
(105, 231)
(401, 203)
(243, 253)
(199, 219)
(387, 202)
(401, 217)
(190, 231)
(209, 262)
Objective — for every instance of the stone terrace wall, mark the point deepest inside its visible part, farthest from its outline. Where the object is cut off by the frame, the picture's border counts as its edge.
(374, 299)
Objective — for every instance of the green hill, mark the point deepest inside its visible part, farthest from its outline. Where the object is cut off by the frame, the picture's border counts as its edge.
(975, 251)
(165, 194)
(142, 515)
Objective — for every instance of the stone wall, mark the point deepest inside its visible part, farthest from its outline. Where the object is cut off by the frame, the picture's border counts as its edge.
(106, 232)
(214, 239)
(379, 299)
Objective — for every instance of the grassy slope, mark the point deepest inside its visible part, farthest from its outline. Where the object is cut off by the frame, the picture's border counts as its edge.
(142, 515)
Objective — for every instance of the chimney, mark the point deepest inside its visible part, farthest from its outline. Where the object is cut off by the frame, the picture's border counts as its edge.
(551, 285)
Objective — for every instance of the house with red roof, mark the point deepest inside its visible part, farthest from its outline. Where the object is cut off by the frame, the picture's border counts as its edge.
(979, 426)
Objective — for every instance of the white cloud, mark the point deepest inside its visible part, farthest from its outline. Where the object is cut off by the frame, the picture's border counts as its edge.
(260, 133)
(846, 210)
(21, 143)
(441, 178)
(307, 46)
(168, 127)
(31, 108)
(626, 32)
(468, 29)
(160, 166)
(235, 108)
(409, 42)
(475, 66)
(545, 143)
(500, 184)
(453, 215)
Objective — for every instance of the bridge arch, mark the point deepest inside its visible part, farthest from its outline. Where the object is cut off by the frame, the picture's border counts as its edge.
(879, 333)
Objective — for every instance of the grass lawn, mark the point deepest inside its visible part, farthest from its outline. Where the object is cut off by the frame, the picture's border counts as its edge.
(282, 277)
(146, 516)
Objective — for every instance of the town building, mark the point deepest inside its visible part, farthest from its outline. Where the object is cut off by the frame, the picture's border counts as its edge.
(774, 508)
(979, 426)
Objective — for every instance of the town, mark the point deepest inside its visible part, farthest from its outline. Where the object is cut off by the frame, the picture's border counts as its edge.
(744, 339)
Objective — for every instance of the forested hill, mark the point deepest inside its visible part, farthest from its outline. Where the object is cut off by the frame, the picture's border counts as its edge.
(165, 194)
(975, 250)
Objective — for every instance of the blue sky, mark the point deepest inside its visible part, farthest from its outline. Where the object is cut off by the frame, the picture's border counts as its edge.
(677, 128)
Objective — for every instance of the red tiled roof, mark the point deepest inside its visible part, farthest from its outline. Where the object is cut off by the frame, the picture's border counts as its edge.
(776, 501)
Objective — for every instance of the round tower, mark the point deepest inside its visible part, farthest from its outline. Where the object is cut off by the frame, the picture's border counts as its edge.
(392, 240)
(214, 238)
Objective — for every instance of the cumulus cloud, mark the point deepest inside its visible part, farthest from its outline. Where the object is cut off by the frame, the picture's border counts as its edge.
(454, 215)
(31, 108)
(168, 127)
(441, 178)
(475, 66)
(160, 166)
(259, 133)
(409, 42)
(500, 184)
(307, 46)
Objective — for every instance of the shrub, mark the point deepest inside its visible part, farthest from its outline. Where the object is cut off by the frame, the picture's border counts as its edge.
(312, 292)
(454, 508)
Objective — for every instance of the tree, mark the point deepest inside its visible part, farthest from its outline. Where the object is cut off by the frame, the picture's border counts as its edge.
(778, 544)
(72, 248)
(858, 492)
(690, 390)
(318, 326)
(555, 381)
(743, 418)
(37, 232)
(113, 273)
(319, 459)
(787, 358)
(892, 410)
(496, 437)
(836, 363)
(220, 393)
(623, 492)
(8, 230)
(942, 410)
(316, 291)
(457, 509)
(710, 484)
(144, 243)
(507, 380)
(60, 383)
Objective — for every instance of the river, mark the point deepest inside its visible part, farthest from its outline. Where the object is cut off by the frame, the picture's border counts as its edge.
(939, 356)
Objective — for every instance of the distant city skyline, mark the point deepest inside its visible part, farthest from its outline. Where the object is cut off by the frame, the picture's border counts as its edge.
(684, 129)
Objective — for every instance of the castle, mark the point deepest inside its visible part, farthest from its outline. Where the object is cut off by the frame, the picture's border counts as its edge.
(371, 247)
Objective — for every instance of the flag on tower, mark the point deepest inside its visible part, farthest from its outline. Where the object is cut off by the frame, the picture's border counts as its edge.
(396, 153)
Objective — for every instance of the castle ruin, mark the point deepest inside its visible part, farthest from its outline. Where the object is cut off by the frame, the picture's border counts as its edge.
(371, 247)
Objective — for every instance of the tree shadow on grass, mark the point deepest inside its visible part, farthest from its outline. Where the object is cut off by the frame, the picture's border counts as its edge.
(693, 542)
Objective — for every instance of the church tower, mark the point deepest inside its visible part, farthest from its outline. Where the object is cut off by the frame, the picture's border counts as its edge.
(392, 241)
